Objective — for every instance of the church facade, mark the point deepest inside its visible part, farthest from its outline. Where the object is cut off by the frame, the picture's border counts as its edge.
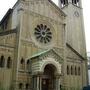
(42, 46)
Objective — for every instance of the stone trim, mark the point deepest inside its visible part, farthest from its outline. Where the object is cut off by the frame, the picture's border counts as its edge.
(52, 62)
(8, 32)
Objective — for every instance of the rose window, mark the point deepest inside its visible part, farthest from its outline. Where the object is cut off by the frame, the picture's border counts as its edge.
(43, 33)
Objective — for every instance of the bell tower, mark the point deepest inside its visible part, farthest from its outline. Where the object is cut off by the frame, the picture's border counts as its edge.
(74, 24)
(75, 36)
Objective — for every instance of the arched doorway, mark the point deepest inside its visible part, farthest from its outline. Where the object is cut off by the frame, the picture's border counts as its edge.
(46, 75)
(48, 79)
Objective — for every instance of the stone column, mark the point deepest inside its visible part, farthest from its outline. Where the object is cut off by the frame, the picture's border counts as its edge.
(39, 82)
(57, 82)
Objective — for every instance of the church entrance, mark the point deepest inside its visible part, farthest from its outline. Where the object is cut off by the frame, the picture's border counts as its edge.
(48, 79)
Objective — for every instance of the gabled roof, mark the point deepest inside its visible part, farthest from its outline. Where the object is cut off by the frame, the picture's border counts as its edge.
(11, 10)
(44, 52)
(41, 53)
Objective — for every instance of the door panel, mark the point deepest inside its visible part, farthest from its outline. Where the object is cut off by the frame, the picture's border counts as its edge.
(45, 84)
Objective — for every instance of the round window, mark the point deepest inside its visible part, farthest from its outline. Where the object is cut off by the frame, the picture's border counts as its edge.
(43, 33)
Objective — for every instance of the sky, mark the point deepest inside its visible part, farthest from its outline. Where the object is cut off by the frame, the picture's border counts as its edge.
(6, 4)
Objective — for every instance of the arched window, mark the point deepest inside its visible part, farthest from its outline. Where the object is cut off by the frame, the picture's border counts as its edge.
(27, 86)
(22, 61)
(68, 71)
(9, 62)
(75, 2)
(78, 70)
(64, 2)
(71, 70)
(75, 70)
(22, 64)
(28, 64)
(20, 86)
(2, 61)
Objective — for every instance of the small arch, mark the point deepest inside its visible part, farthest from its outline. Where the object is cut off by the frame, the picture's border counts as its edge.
(22, 61)
(68, 70)
(49, 69)
(75, 2)
(28, 61)
(71, 70)
(9, 62)
(54, 63)
(64, 2)
(28, 64)
(27, 86)
(20, 85)
(2, 61)
(22, 64)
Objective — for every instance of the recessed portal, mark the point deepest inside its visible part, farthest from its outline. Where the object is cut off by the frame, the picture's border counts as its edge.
(48, 79)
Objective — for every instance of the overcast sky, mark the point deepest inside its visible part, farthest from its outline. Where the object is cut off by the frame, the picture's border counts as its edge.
(6, 4)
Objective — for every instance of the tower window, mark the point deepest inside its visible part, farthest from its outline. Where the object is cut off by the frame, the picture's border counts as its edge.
(2, 61)
(9, 62)
(64, 2)
(75, 2)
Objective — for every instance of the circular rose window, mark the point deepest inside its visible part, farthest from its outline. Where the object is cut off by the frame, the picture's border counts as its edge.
(43, 34)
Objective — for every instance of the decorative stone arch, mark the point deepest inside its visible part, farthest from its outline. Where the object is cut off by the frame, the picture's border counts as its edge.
(51, 62)
(46, 73)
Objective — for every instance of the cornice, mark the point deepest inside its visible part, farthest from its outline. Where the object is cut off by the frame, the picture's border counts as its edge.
(8, 32)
